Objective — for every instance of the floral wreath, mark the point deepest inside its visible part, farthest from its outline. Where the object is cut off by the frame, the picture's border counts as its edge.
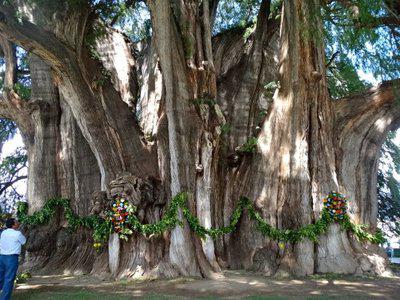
(336, 205)
(118, 215)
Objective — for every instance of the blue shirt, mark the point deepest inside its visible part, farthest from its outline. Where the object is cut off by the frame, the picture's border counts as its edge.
(11, 241)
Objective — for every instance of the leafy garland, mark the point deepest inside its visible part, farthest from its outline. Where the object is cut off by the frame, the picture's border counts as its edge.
(101, 228)
(130, 223)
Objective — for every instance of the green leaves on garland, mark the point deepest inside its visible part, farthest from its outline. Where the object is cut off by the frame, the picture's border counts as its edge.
(102, 228)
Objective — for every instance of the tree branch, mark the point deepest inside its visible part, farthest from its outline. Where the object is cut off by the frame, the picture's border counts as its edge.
(382, 94)
(13, 108)
(389, 21)
(10, 56)
(33, 38)
(5, 112)
(332, 59)
(213, 12)
(354, 110)
(6, 185)
(262, 18)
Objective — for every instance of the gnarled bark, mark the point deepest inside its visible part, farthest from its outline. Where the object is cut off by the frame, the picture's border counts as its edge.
(200, 99)
(183, 40)
(105, 122)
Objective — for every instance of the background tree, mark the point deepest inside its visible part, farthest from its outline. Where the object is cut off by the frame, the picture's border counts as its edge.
(389, 188)
(13, 172)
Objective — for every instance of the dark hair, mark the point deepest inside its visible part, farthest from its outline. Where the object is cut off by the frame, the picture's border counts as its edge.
(10, 222)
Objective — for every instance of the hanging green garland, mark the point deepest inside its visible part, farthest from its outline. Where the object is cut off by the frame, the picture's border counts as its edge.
(122, 220)
(101, 228)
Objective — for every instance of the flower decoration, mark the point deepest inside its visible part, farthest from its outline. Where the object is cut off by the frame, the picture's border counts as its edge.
(121, 219)
(121, 209)
(336, 205)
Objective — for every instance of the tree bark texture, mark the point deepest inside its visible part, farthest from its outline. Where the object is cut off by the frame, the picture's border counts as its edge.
(170, 114)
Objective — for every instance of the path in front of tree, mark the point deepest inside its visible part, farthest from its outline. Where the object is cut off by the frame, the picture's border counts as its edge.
(231, 285)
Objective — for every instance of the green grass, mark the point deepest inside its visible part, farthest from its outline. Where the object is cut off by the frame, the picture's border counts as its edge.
(61, 295)
(265, 298)
(302, 297)
(91, 295)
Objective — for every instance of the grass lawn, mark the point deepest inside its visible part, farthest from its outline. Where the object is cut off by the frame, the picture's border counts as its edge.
(232, 285)
(92, 295)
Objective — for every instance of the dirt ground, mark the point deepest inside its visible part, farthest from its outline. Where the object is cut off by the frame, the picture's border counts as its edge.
(230, 285)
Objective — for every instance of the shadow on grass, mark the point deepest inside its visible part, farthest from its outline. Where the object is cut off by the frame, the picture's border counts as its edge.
(234, 285)
(84, 295)
(92, 295)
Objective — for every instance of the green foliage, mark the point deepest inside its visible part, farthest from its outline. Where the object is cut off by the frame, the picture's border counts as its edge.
(276, 6)
(3, 218)
(249, 147)
(96, 31)
(132, 17)
(235, 14)
(53, 5)
(168, 221)
(353, 28)
(7, 130)
(12, 162)
(232, 14)
(12, 170)
(23, 91)
(270, 87)
(225, 128)
(343, 79)
(388, 187)
(103, 228)
(23, 277)
(249, 30)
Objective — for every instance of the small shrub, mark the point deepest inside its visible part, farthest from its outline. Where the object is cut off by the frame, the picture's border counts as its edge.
(249, 147)
(23, 277)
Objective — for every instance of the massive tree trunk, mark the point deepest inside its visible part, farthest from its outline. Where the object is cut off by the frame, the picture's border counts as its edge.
(60, 164)
(200, 99)
(183, 41)
(42, 147)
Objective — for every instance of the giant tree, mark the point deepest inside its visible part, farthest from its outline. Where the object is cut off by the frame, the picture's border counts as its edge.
(188, 111)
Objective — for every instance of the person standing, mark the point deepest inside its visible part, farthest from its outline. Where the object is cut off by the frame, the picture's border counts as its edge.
(11, 241)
